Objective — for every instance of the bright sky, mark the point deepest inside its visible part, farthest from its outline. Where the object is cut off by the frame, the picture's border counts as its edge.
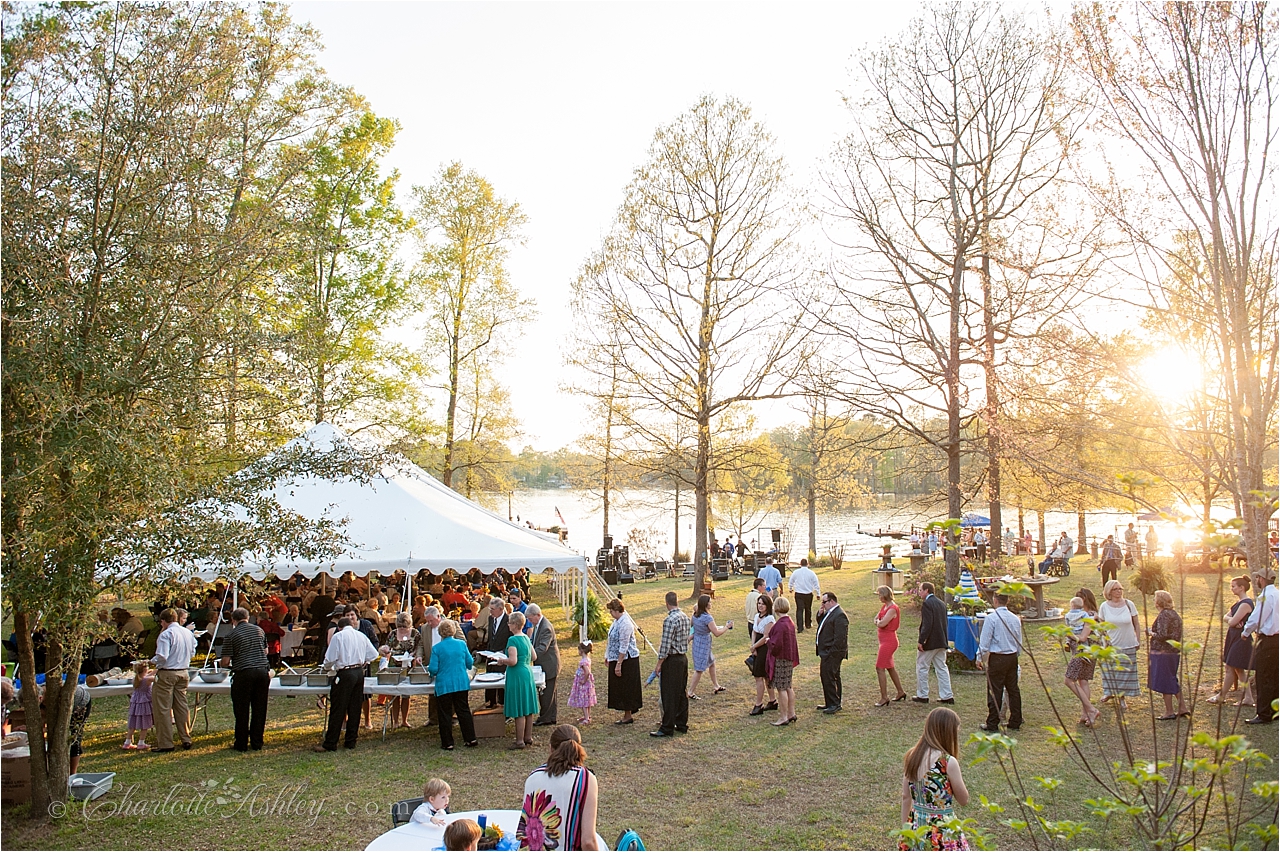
(556, 104)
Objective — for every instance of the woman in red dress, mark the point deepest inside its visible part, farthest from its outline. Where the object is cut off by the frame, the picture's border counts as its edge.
(887, 624)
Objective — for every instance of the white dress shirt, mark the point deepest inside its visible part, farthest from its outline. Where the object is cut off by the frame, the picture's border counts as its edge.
(174, 648)
(804, 581)
(1001, 633)
(1264, 619)
(349, 647)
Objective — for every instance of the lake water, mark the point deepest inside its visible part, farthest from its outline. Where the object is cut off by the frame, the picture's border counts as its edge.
(653, 514)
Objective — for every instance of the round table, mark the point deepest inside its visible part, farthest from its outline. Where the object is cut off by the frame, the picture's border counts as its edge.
(422, 837)
(1037, 585)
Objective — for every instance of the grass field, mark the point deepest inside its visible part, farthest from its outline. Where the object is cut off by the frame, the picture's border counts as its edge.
(733, 782)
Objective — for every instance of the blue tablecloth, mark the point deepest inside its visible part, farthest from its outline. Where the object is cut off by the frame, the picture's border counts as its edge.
(964, 632)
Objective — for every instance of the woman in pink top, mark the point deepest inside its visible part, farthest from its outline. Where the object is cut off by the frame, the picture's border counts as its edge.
(887, 624)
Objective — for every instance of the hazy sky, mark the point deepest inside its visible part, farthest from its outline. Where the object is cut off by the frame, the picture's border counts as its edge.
(556, 104)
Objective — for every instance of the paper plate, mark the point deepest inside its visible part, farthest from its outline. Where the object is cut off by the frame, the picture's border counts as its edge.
(489, 677)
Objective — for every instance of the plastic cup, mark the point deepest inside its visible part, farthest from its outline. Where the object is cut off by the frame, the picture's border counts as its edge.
(481, 821)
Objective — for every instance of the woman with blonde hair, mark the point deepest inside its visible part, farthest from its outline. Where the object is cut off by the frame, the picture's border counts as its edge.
(520, 699)
(887, 632)
(932, 784)
(784, 656)
(1163, 658)
(1119, 679)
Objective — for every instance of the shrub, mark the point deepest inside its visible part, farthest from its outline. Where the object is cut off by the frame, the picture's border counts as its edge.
(597, 624)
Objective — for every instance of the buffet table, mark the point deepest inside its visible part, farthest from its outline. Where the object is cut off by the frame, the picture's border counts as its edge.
(422, 837)
(203, 691)
(965, 632)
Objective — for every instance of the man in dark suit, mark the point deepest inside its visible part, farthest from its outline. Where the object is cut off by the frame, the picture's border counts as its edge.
(932, 649)
(833, 650)
(499, 633)
(544, 645)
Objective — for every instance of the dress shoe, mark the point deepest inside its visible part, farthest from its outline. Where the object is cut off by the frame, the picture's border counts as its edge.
(946, 701)
(1258, 720)
(544, 724)
(659, 733)
(239, 748)
(994, 730)
(832, 710)
(772, 705)
(821, 707)
(917, 699)
(319, 749)
(162, 750)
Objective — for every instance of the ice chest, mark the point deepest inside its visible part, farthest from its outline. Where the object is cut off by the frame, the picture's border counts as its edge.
(490, 723)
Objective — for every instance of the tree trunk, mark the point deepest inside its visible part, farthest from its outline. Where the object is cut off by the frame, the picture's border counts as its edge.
(953, 378)
(47, 724)
(1081, 532)
(675, 552)
(993, 405)
(1044, 542)
(1022, 522)
(811, 500)
(703, 502)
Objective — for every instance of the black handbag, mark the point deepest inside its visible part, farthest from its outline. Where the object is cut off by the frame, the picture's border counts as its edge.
(751, 662)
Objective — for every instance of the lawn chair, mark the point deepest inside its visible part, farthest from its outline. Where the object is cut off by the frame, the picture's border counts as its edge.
(402, 810)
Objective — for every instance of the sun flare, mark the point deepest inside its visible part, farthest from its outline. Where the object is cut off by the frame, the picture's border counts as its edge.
(1172, 375)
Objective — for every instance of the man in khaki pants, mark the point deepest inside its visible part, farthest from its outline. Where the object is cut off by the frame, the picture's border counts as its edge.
(175, 646)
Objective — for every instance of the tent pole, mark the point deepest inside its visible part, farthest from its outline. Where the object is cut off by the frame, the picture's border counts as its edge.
(582, 631)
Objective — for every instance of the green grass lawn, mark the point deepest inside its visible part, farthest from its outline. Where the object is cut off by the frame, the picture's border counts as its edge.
(734, 782)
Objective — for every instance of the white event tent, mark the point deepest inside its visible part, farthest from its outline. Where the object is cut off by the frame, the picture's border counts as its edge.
(403, 520)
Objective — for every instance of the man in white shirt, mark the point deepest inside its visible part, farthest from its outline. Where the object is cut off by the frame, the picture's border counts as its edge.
(804, 584)
(349, 652)
(174, 649)
(1265, 621)
(757, 589)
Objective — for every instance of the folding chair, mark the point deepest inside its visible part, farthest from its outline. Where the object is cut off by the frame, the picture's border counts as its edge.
(402, 810)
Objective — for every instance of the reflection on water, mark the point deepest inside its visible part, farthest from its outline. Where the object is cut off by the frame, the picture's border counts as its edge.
(655, 510)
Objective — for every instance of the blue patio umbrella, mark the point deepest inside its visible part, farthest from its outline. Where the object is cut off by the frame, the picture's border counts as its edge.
(972, 519)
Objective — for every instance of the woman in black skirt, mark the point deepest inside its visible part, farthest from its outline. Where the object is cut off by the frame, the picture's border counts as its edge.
(759, 668)
(622, 657)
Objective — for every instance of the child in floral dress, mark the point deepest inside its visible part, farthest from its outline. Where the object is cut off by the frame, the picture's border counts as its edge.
(583, 692)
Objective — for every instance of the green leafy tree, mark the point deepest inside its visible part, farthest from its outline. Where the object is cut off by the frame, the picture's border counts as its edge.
(135, 232)
(466, 232)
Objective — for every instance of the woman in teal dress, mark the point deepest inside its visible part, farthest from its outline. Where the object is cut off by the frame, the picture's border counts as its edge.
(521, 701)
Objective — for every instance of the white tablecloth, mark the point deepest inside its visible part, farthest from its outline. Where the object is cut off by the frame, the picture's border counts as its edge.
(291, 641)
(371, 686)
(419, 837)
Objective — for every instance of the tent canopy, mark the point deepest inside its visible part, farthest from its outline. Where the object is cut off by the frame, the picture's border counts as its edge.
(972, 519)
(404, 520)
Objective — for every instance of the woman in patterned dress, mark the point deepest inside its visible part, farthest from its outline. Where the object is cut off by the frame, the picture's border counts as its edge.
(932, 785)
(704, 627)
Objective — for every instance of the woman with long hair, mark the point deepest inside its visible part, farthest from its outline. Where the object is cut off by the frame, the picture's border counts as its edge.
(401, 641)
(704, 627)
(1079, 674)
(560, 798)
(932, 784)
(759, 655)
(887, 633)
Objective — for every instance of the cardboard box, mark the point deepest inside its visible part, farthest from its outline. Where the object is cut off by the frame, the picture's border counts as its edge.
(15, 775)
(490, 723)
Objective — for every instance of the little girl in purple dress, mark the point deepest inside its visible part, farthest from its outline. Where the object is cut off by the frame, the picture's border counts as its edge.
(583, 693)
(139, 708)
